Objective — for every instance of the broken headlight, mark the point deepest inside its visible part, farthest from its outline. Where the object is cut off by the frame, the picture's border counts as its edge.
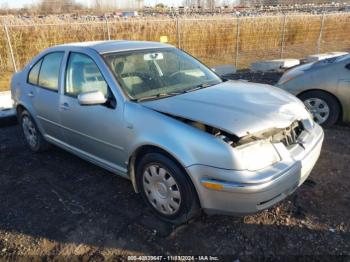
(309, 122)
(257, 155)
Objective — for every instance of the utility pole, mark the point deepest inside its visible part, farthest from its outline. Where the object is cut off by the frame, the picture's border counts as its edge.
(10, 46)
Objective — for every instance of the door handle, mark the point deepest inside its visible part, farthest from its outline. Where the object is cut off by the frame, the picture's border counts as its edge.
(30, 94)
(65, 106)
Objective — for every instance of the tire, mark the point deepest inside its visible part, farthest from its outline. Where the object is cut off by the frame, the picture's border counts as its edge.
(34, 139)
(174, 185)
(330, 101)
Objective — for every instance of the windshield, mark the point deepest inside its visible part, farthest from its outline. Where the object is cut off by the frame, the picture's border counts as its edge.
(159, 72)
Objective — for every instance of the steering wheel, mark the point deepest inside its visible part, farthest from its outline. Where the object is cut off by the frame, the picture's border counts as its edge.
(175, 73)
(142, 75)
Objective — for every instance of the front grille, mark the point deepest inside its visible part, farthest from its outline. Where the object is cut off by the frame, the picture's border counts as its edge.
(289, 136)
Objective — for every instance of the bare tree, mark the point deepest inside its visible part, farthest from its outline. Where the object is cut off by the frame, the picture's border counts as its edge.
(57, 6)
(211, 4)
(140, 4)
(97, 5)
(4, 8)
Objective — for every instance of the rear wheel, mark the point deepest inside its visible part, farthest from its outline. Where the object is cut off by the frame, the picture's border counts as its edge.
(323, 106)
(32, 135)
(166, 188)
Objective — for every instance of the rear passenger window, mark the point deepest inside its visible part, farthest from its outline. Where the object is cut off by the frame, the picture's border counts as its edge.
(34, 73)
(49, 72)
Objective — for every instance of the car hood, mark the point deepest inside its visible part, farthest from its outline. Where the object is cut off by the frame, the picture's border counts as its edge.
(237, 107)
(311, 67)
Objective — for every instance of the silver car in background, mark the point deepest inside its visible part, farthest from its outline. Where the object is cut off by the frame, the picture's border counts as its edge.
(324, 87)
(186, 139)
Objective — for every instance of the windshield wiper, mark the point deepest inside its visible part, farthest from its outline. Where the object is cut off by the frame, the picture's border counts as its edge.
(197, 87)
(157, 96)
(163, 95)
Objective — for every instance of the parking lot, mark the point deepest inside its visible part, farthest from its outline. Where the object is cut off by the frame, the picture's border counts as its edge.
(56, 205)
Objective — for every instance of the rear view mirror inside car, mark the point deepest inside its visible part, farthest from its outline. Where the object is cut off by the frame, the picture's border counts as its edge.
(153, 56)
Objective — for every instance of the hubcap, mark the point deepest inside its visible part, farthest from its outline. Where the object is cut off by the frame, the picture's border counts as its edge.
(30, 132)
(161, 189)
(318, 108)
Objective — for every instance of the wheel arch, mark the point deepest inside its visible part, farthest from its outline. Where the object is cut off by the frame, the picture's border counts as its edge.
(21, 106)
(142, 150)
(328, 93)
(19, 109)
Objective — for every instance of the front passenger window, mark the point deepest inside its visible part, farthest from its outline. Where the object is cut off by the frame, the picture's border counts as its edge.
(83, 75)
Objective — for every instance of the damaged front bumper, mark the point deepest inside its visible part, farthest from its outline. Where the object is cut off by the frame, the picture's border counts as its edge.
(244, 192)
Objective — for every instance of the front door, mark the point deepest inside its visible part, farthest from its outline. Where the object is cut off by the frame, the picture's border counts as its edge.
(94, 131)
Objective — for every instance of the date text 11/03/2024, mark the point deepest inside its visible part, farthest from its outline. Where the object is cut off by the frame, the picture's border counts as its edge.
(173, 258)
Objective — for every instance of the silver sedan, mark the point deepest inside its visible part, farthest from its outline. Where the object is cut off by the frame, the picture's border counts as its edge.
(324, 87)
(186, 139)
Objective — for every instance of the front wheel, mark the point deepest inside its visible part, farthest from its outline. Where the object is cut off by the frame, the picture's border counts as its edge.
(166, 188)
(323, 106)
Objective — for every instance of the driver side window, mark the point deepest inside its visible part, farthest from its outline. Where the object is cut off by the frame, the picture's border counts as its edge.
(83, 75)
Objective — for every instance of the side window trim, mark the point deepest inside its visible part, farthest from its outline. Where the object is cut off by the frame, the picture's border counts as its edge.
(66, 72)
(41, 60)
(65, 93)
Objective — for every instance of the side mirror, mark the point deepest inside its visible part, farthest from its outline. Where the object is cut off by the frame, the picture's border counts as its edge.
(91, 98)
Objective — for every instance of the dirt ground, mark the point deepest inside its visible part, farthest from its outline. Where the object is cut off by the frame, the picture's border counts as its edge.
(56, 206)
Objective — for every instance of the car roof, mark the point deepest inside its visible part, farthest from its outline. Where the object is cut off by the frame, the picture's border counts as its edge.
(116, 45)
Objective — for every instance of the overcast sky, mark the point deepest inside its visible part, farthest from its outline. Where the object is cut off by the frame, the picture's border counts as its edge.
(21, 3)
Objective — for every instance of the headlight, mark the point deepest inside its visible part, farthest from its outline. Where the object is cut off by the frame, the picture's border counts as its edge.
(285, 80)
(288, 77)
(257, 155)
(309, 123)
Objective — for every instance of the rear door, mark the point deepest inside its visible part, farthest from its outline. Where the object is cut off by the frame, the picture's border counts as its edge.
(43, 85)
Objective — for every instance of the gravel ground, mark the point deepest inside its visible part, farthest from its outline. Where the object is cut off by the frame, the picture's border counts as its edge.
(55, 205)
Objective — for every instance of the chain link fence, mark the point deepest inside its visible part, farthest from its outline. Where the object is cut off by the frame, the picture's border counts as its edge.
(214, 40)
